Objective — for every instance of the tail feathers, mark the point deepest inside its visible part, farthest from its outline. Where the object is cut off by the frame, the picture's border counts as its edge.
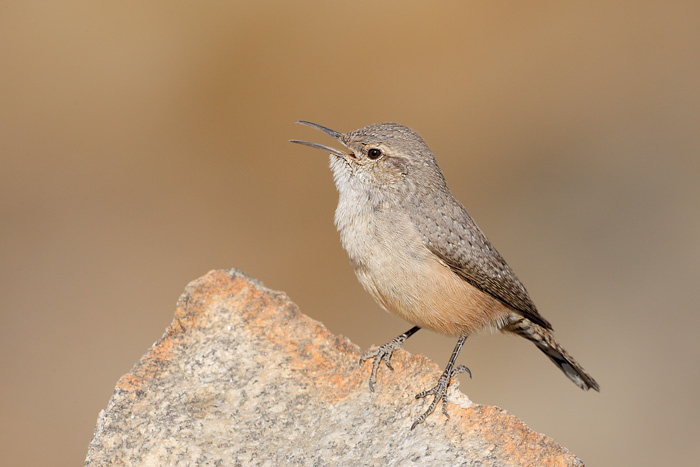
(544, 340)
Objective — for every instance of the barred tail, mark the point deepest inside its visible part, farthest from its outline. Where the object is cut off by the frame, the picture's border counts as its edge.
(544, 340)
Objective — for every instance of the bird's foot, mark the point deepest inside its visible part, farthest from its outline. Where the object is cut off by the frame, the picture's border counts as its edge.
(439, 391)
(382, 354)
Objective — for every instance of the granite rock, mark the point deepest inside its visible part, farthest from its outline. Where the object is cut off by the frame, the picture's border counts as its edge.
(242, 377)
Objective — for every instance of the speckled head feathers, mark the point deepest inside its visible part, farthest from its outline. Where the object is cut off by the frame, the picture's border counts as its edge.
(398, 137)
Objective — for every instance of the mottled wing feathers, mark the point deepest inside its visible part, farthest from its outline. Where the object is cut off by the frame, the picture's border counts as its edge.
(450, 233)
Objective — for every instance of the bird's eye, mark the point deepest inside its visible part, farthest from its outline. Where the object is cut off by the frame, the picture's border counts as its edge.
(374, 154)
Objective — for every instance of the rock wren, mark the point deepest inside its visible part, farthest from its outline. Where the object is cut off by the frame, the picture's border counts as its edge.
(417, 251)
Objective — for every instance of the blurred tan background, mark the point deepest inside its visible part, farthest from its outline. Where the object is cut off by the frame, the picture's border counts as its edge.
(143, 144)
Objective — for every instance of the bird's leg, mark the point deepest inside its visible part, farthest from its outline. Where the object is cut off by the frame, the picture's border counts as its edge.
(440, 389)
(384, 353)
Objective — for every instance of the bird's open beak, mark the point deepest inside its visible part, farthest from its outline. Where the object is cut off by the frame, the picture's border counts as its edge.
(328, 131)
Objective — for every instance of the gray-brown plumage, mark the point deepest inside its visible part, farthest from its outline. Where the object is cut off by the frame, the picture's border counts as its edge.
(417, 251)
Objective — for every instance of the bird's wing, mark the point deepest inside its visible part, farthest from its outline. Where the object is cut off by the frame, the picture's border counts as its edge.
(452, 235)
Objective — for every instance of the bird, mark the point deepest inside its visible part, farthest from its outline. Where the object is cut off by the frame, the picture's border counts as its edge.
(416, 250)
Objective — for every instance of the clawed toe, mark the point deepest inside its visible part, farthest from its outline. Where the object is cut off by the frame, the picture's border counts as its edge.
(462, 369)
(383, 354)
(439, 391)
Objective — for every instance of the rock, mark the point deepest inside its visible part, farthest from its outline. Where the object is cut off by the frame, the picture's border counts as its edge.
(242, 377)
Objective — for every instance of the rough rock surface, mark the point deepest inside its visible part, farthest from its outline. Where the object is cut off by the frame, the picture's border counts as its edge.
(242, 377)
